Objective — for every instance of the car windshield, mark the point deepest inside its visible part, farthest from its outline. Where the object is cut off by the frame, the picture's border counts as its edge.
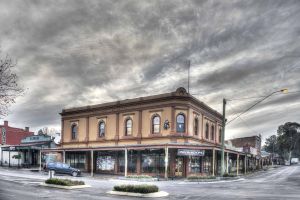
(66, 166)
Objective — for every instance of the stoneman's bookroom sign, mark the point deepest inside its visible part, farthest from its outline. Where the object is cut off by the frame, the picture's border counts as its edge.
(190, 152)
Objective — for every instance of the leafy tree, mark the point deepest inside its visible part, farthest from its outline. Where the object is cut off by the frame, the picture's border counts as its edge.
(9, 88)
(288, 136)
(271, 144)
(287, 141)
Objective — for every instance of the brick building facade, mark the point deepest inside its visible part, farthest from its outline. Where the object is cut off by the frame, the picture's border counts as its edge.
(11, 135)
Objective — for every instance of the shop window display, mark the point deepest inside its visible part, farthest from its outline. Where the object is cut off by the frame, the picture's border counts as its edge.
(153, 162)
(195, 165)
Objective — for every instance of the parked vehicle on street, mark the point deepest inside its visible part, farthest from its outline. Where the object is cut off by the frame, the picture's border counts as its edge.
(294, 160)
(62, 168)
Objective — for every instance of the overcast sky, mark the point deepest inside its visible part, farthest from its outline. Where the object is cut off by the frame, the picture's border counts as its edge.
(75, 53)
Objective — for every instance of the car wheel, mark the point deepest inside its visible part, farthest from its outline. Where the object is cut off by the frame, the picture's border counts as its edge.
(74, 173)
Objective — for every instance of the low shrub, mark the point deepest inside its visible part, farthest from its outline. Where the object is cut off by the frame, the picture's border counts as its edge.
(229, 175)
(139, 176)
(144, 189)
(63, 182)
(200, 177)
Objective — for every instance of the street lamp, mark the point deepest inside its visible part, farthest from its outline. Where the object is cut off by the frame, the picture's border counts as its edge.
(285, 90)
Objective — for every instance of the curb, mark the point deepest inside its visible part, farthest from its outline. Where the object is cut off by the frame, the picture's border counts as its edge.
(65, 187)
(131, 194)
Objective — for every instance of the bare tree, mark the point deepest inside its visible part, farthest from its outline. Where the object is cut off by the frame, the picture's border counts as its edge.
(9, 88)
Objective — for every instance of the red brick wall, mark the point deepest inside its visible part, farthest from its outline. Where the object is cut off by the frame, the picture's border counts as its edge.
(13, 135)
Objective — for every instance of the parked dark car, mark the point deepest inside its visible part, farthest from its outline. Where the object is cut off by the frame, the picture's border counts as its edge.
(62, 168)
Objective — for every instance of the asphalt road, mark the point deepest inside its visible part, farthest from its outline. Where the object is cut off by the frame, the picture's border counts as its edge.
(280, 183)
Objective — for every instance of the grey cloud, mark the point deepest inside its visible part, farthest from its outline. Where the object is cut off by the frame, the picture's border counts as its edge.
(126, 48)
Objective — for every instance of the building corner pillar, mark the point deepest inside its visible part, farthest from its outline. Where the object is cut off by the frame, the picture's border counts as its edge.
(237, 164)
(245, 164)
(227, 163)
(213, 162)
(92, 163)
(166, 162)
(126, 163)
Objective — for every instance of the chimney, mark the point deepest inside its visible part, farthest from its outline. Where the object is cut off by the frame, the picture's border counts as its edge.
(5, 123)
(27, 129)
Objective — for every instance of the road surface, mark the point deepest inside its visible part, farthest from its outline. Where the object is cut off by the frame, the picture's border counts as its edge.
(280, 183)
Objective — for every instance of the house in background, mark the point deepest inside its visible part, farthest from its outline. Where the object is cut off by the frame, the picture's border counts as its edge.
(10, 136)
(251, 146)
(29, 150)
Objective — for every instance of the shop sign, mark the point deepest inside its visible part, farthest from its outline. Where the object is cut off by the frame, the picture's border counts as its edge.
(190, 152)
(12, 148)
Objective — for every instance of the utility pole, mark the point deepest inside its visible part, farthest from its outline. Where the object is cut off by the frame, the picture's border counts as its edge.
(223, 137)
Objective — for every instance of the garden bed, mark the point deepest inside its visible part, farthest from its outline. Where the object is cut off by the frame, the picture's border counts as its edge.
(64, 183)
(138, 191)
(201, 178)
(142, 178)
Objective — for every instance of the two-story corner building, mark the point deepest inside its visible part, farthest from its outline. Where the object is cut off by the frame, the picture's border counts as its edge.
(171, 135)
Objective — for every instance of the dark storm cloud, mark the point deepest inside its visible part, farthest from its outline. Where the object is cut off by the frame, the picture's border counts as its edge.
(73, 53)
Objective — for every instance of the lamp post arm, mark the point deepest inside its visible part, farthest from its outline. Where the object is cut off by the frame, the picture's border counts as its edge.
(252, 106)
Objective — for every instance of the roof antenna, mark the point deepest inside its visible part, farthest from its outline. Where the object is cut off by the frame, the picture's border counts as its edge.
(189, 66)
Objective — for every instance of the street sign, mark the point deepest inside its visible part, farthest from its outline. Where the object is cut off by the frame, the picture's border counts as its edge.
(190, 152)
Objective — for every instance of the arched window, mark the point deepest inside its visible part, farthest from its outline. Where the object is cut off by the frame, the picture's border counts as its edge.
(212, 133)
(128, 126)
(207, 131)
(220, 135)
(155, 124)
(196, 123)
(180, 121)
(74, 130)
(101, 128)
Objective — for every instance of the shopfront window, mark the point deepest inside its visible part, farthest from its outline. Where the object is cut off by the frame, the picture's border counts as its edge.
(101, 129)
(206, 165)
(212, 133)
(128, 126)
(76, 160)
(131, 161)
(180, 121)
(105, 162)
(206, 131)
(74, 130)
(195, 165)
(196, 123)
(156, 124)
(153, 162)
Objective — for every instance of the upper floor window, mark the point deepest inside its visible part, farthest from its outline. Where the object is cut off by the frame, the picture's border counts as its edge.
(128, 126)
(196, 123)
(74, 130)
(156, 124)
(220, 135)
(207, 131)
(212, 133)
(101, 129)
(180, 121)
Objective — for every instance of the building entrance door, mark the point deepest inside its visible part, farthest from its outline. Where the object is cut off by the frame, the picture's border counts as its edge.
(179, 167)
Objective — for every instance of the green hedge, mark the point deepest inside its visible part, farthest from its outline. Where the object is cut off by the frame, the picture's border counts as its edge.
(200, 177)
(229, 175)
(144, 189)
(64, 182)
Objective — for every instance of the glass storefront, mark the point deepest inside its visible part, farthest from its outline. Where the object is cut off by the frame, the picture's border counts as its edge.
(131, 159)
(76, 159)
(207, 168)
(153, 161)
(105, 161)
(195, 165)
